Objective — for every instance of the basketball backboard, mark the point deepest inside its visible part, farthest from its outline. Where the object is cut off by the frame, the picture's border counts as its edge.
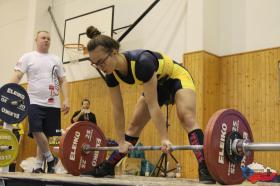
(75, 28)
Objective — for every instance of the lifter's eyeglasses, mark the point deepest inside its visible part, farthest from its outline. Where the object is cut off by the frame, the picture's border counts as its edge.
(102, 61)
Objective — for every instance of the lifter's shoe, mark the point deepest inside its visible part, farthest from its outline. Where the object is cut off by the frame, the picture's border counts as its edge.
(105, 169)
(38, 170)
(52, 164)
(205, 177)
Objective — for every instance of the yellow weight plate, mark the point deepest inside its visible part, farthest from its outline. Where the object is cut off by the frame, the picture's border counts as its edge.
(8, 139)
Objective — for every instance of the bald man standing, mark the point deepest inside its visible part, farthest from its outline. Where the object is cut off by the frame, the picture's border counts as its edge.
(45, 76)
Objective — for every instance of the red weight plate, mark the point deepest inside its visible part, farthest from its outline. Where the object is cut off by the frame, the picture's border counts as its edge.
(71, 153)
(219, 126)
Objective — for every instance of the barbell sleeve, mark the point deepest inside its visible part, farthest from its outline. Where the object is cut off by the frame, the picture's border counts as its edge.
(5, 147)
(242, 146)
(261, 146)
(16, 102)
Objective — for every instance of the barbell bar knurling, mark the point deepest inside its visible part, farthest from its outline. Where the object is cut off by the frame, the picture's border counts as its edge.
(182, 147)
(245, 145)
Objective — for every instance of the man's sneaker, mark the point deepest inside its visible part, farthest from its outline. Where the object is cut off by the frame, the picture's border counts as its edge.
(38, 170)
(52, 164)
(205, 177)
(105, 169)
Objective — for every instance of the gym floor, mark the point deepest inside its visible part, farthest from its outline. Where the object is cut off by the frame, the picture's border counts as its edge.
(30, 179)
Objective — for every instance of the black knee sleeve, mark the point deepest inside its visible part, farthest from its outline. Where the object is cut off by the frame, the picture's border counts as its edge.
(116, 156)
(130, 139)
(196, 137)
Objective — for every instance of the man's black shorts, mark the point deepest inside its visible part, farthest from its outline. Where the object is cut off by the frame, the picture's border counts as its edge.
(44, 119)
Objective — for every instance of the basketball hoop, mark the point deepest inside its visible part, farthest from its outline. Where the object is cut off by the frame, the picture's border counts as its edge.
(75, 51)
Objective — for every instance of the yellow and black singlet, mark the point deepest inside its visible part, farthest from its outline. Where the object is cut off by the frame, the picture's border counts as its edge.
(142, 64)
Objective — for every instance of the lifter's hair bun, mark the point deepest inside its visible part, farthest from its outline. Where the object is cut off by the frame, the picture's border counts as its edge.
(92, 32)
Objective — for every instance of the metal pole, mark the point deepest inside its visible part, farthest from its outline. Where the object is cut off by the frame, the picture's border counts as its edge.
(261, 146)
(137, 21)
(246, 147)
(185, 147)
(55, 25)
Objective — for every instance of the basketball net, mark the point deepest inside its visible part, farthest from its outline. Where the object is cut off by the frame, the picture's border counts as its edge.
(75, 51)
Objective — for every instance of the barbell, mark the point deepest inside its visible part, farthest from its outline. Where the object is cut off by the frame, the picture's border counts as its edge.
(228, 146)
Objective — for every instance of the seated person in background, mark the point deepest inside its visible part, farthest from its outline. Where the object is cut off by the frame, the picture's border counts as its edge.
(84, 114)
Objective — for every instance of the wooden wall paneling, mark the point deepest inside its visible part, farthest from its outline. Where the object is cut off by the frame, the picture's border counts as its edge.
(205, 70)
(224, 82)
(240, 86)
(222, 91)
(268, 124)
(273, 71)
(277, 110)
(252, 78)
(248, 82)
(259, 99)
(194, 64)
(271, 64)
(234, 80)
(211, 84)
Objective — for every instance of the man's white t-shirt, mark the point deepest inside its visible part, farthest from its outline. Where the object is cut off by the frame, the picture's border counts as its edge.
(43, 71)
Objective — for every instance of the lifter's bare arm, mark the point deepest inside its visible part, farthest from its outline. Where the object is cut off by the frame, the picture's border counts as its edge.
(119, 118)
(118, 111)
(17, 76)
(150, 93)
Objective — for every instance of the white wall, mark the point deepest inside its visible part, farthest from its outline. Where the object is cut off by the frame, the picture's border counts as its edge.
(164, 28)
(194, 26)
(12, 35)
(20, 19)
(211, 26)
(262, 23)
(66, 9)
(175, 27)
(248, 25)
(236, 26)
